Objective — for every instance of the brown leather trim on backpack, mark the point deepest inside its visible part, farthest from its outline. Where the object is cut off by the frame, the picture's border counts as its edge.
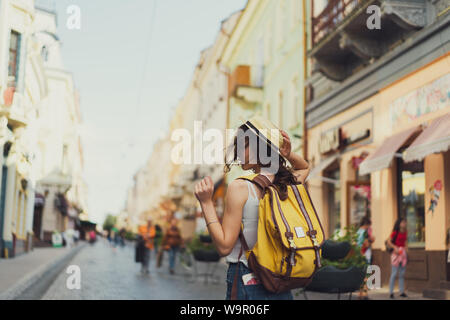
(274, 282)
(262, 182)
(315, 212)
(311, 232)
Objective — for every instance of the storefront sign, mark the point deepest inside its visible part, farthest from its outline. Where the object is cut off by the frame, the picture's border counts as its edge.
(429, 98)
(329, 141)
(435, 192)
(357, 129)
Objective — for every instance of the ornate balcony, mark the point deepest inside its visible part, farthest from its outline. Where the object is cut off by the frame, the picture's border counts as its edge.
(246, 83)
(343, 41)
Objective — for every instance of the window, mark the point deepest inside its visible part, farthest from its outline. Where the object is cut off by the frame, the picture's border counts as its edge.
(268, 42)
(334, 200)
(281, 22)
(280, 109)
(411, 199)
(44, 53)
(14, 45)
(294, 104)
(295, 12)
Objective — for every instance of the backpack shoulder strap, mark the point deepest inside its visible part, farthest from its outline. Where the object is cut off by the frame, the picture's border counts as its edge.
(260, 180)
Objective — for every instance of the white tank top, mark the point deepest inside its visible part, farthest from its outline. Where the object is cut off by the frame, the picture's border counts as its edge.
(250, 222)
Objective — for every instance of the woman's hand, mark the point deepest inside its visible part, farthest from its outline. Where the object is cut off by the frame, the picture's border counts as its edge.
(204, 190)
(285, 149)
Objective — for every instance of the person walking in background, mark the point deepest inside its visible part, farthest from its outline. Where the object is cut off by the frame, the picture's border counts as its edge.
(398, 241)
(122, 237)
(364, 241)
(171, 242)
(147, 232)
(158, 237)
(115, 237)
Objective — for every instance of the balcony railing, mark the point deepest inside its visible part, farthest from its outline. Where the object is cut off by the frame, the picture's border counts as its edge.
(239, 77)
(333, 14)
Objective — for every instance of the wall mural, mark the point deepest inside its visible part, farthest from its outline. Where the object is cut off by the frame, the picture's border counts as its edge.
(435, 192)
(431, 97)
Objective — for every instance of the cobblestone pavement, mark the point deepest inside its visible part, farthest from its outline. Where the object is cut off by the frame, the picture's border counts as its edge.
(112, 274)
(108, 273)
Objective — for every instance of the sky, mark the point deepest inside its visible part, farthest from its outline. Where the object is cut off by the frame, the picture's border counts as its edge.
(132, 61)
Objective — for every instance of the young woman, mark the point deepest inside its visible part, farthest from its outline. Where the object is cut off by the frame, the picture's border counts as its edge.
(241, 207)
(398, 241)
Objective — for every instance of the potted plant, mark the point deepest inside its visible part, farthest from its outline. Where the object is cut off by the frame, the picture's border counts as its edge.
(203, 251)
(342, 271)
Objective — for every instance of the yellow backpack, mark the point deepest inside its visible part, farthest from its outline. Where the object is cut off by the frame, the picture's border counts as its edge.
(287, 251)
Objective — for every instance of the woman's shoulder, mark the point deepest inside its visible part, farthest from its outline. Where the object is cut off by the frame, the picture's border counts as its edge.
(237, 184)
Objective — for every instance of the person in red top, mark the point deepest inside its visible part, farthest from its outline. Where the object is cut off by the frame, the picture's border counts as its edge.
(398, 241)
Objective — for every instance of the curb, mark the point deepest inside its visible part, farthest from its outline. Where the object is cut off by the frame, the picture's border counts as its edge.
(33, 277)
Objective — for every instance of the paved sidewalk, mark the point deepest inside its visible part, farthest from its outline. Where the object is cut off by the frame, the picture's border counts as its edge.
(19, 273)
(377, 294)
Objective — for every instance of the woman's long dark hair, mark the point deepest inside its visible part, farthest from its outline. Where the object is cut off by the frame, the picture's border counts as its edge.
(283, 176)
(397, 224)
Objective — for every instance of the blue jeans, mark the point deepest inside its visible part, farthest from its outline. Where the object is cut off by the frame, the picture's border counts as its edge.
(172, 255)
(401, 278)
(250, 292)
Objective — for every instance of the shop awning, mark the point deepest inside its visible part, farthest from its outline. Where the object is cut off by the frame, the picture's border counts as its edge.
(434, 139)
(39, 200)
(322, 166)
(383, 156)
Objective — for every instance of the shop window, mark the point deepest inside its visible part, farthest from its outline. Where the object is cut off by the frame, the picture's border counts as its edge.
(13, 64)
(411, 199)
(359, 196)
(334, 201)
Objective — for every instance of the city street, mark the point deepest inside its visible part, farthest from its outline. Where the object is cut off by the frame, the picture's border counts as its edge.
(107, 274)
(112, 274)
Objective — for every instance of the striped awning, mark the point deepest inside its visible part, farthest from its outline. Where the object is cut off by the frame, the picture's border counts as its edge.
(322, 166)
(383, 156)
(434, 139)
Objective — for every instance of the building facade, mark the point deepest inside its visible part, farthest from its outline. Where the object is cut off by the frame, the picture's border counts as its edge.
(265, 61)
(374, 96)
(23, 88)
(42, 189)
(58, 161)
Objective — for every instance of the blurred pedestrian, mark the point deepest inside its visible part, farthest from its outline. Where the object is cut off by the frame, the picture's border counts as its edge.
(147, 232)
(115, 237)
(92, 237)
(122, 237)
(398, 241)
(158, 237)
(364, 241)
(172, 242)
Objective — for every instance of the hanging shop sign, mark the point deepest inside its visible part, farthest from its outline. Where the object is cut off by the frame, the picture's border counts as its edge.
(330, 141)
(351, 133)
(357, 130)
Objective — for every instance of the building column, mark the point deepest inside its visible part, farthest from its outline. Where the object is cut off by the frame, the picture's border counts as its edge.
(435, 222)
(9, 210)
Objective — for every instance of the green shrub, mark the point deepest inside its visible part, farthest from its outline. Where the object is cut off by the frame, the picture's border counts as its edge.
(355, 257)
(196, 244)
